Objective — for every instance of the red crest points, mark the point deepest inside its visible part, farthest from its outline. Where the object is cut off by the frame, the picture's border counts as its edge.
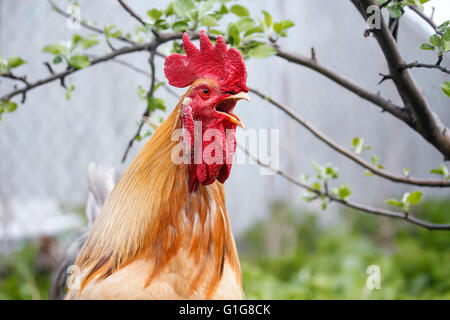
(226, 66)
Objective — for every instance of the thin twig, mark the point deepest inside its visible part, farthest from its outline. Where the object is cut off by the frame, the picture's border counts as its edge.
(132, 13)
(376, 99)
(63, 74)
(380, 172)
(86, 25)
(11, 76)
(427, 123)
(146, 113)
(138, 18)
(384, 77)
(423, 16)
(347, 203)
(424, 65)
(122, 51)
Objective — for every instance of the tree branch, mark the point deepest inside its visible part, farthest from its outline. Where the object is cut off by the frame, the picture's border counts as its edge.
(63, 74)
(424, 65)
(122, 51)
(354, 205)
(132, 13)
(380, 172)
(137, 17)
(428, 123)
(376, 99)
(146, 113)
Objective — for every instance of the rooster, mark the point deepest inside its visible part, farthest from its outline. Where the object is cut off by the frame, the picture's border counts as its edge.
(163, 232)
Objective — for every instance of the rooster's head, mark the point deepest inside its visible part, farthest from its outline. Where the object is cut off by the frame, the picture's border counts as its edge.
(216, 76)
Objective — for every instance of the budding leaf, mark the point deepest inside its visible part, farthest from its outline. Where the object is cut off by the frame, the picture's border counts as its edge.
(343, 192)
(239, 10)
(79, 61)
(262, 51)
(446, 88)
(414, 197)
(14, 62)
(154, 14)
(281, 26)
(267, 18)
(427, 46)
(394, 202)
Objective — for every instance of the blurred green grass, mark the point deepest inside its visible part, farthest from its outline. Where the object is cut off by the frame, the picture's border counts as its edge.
(291, 255)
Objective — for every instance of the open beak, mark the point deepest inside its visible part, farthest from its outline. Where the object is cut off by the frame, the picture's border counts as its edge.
(231, 116)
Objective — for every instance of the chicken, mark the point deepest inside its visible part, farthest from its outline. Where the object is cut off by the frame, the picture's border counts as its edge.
(163, 232)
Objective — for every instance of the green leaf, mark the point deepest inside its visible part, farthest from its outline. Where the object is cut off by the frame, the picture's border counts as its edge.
(358, 145)
(57, 59)
(208, 21)
(257, 29)
(262, 51)
(446, 88)
(239, 10)
(88, 42)
(154, 14)
(436, 40)
(395, 11)
(161, 24)
(215, 31)
(10, 106)
(76, 38)
(233, 35)
(155, 103)
(267, 18)
(14, 62)
(375, 160)
(446, 35)
(281, 26)
(109, 32)
(56, 49)
(394, 202)
(245, 24)
(69, 91)
(443, 27)
(427, 46)
(316, 186)
(414, 197)
(184, 8)
(344, 191)
(223, 9)
(179, 26)
(206, 6)
(406, 172)
(142, 93)
(443, 171)
(79, 61)
(368, 173)
(331, 172)
(169, 10)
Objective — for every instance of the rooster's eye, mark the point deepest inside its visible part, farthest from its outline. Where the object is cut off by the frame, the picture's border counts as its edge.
(204, 93)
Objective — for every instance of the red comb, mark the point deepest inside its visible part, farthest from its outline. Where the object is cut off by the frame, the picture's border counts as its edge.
(226, 66)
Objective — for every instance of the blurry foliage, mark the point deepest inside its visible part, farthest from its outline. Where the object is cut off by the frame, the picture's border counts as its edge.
(291, 256)
(21, 277)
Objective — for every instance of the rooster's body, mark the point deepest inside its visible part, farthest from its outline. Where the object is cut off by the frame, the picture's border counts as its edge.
(163, 232)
